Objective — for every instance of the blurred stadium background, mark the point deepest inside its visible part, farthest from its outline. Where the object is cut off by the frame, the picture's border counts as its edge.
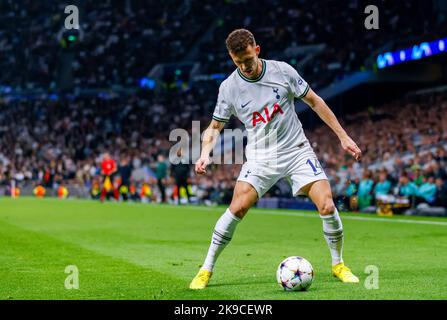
(135, 70)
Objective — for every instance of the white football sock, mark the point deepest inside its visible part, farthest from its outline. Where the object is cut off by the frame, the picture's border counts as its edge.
(223, 232)
(333, 233)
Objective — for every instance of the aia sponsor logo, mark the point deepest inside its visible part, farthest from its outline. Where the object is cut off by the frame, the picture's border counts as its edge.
(266, 116)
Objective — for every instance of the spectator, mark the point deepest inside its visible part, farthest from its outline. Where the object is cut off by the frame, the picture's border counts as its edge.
(383, 186)
(441, 193)
(427, 191)
(350, 199)
(180, 172)
(108, 169)
(405, 187)
(365, 190)
(161, 172)
(125, 172)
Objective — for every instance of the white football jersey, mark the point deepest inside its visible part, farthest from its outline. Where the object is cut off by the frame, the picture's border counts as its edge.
(266, 107)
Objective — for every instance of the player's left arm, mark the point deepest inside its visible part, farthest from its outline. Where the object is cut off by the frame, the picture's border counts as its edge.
(325, 113)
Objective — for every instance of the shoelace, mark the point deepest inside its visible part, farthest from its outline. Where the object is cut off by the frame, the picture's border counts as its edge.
(343, 268)
(347, 270)
(203, 276)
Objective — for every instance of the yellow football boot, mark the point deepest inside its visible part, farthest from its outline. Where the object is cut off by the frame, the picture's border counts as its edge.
(201, 280)
(343, 273)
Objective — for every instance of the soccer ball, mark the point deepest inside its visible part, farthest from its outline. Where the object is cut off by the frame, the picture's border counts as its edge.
(295, 274)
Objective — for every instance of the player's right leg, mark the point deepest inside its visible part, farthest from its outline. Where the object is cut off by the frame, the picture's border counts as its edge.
(244, 196)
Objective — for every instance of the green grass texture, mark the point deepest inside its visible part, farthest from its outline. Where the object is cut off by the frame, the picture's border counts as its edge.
(149, 251)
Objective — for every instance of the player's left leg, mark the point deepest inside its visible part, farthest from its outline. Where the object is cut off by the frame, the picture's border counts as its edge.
(320, 193)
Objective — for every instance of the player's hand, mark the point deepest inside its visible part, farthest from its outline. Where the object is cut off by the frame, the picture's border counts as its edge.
(351, 147)
(201, 165)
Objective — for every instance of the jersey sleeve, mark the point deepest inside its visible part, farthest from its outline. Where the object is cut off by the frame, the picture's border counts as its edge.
(224, 108)
(297, 84)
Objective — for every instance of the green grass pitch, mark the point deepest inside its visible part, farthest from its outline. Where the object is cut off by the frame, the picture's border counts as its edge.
(137, 251)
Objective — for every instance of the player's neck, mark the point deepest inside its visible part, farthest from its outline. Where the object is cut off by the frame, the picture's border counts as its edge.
(258, 70)
(257, 75)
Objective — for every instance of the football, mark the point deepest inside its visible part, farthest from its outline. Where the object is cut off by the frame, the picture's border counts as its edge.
(295, 274)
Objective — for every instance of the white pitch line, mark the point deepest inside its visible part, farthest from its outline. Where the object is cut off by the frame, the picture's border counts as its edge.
(344, 217)
(301, 214)
(307, 215)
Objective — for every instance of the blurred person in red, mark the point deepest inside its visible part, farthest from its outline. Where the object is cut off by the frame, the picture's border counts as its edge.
(108, 168)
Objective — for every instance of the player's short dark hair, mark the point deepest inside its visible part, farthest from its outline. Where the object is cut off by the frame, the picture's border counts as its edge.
(239, 39)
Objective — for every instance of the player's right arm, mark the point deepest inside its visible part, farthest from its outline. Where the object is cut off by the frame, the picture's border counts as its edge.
(222, 113)
(210, 136)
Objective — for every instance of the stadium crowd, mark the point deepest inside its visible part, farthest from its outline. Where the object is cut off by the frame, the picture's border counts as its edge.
(62, 141)
(123, 40)
(281, 26)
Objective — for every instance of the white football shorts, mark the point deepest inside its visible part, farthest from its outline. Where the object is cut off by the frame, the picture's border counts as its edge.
(300, 167)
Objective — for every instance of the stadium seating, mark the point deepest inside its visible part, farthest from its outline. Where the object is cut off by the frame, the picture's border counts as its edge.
(124, 40)
(58, 137)
(65, 138)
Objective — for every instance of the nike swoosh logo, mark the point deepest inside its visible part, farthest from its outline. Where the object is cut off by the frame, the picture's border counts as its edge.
(244, 105)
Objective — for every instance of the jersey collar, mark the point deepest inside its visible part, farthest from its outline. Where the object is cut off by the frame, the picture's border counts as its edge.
(258, 78)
